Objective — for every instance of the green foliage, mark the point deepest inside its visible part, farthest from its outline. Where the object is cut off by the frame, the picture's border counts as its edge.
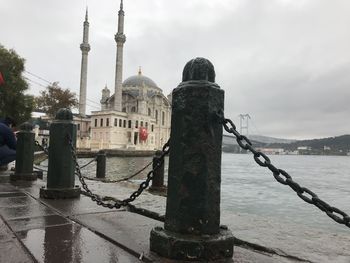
(13, 102)
(54, 98)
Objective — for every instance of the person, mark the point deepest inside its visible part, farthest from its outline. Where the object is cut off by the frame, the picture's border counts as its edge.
(7, 142)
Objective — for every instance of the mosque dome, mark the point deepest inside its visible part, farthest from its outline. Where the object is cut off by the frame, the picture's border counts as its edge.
(139, 80)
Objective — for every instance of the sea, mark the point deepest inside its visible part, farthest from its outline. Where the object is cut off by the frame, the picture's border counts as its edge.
(260, 210)
(249, 188)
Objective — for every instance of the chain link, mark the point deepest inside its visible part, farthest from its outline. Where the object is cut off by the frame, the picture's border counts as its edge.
(115, 204)
(45, 150)
(90, 162)
(131, 176)
(39, 169)
(284, 178)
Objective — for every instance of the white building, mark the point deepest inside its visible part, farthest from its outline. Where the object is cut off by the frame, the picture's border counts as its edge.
(272, 150)
(136, 116)
(144, 110)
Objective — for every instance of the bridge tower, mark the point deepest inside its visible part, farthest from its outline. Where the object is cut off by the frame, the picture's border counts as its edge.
(244, 123)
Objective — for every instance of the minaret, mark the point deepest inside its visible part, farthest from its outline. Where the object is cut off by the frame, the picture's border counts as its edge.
(85, 48)
(120, 40)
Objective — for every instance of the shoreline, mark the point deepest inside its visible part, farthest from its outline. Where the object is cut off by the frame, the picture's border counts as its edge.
(116, 153)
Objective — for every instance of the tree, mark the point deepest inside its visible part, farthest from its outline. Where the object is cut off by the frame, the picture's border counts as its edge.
(13, 102)
(54, 98)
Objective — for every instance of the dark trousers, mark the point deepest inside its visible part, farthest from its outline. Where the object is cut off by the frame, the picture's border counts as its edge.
(7, 155)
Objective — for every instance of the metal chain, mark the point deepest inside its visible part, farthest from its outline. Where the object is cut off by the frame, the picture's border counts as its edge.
(133, 175)
(117, 204)
(122, 179)
(45, 150)
(39, 169)
(90, 162)
(284, 178)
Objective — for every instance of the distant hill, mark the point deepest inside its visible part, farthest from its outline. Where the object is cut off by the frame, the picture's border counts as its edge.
(258, 139)
(332, 145)
(266, 139)
(338, 143)
(229, 143)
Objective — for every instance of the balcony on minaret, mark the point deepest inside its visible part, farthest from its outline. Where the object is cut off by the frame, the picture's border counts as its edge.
(121, 13)
(120, 38)
(85, 47)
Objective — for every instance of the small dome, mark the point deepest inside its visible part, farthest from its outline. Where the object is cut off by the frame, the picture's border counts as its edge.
(138, 81)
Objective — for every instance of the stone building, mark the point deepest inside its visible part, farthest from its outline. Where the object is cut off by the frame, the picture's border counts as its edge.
(143, 123)
(137, 115)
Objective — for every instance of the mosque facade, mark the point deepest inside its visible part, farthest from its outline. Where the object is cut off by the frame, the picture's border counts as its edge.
(142, 124)
(136, 116)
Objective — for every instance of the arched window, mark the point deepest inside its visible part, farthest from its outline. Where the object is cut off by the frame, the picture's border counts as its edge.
(124, 109)
(133, 109)
(156, 116)
(163, 118)
(149, 111)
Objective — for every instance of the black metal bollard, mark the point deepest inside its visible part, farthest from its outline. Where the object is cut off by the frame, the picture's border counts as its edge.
(25, 154)
(192, 228)
(158, 175)
(101, 164)
(40, 174)
(60, 175)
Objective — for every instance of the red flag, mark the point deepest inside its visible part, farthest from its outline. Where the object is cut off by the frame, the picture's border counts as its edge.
(2, 81)
(143, 134)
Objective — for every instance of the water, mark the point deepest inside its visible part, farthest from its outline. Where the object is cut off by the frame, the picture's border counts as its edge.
(260, 210)
(250, 189)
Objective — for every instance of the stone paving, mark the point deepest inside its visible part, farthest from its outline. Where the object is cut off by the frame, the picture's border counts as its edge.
(77, 230)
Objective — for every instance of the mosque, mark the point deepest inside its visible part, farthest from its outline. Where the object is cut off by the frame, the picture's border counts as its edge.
(136, 117)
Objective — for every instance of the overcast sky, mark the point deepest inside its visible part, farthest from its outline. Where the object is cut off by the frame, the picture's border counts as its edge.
(284, 62)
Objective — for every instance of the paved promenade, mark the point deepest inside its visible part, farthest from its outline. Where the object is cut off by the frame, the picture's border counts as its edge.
(38, 230)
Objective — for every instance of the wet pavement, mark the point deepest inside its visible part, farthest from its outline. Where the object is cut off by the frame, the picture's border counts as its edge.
(11, 250)
(77, 230)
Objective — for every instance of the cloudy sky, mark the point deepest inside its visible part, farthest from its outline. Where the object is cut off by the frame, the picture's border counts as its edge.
(284, 62)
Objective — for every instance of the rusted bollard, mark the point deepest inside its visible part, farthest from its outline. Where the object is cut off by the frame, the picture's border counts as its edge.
(192, 228)
(24, 154)
(158, 175)
(101, 164)
(61, 172)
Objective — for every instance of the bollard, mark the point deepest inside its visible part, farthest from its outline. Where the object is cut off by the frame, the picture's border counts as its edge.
(158, 175)
(60, 175)
(24, 154)
(192, 230)
(101, 164)
(40, 174)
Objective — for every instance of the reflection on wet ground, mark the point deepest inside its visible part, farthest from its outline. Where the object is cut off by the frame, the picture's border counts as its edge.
(76, 230)
(71, 243)
(49, 236)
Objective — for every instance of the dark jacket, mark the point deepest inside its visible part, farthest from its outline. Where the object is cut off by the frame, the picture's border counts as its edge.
(7, 137)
